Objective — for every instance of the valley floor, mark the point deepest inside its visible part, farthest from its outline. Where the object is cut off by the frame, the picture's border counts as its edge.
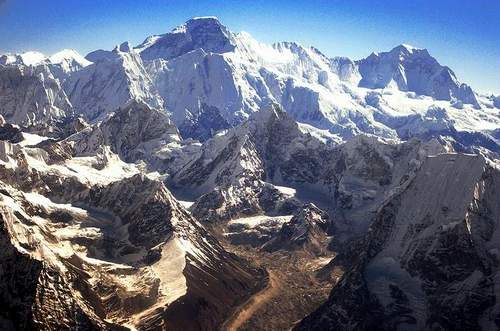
(293, 291)
(249, 308)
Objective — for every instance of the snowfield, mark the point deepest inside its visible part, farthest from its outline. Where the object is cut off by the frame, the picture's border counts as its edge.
(166, 185)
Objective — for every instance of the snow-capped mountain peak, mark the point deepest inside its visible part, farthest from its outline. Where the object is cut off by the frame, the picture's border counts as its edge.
(67, 57)
(412, 69)
(118, 52)
(124, 47)
(408, 46)
(407, 49)
(342, 171)
(115, 78)
(203, 32)
(65, 62)
(27, 58)
(210, 78)
(32, 58)
(60, 64)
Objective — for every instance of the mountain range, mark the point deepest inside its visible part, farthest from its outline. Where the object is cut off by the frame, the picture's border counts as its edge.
(203, 180)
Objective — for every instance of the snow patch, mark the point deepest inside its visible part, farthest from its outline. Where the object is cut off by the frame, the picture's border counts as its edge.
(169, 270)
(254, 221)
(31, 139)
(286, 190)
(186, 204)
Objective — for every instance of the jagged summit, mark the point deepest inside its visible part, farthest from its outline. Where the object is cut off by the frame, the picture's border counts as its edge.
(114, 79)
(68, 55)
(203, 32)
(60, 64)
(124, 47)
(209, 79)
(296, 173)
(407, 48)
(411, 69)
(134, 132)
(104, 55)
(65, 62)
(26, 58)
(65, 57)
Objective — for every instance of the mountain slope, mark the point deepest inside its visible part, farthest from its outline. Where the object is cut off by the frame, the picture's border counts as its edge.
(134, 132)
(110, 248)
(114, 79)
(202, 65)
(63, 63)
(30, 96)
(321, 172)
(202, 32)
(412, 69)
(209, 79)
(429, 259)
(268, 164)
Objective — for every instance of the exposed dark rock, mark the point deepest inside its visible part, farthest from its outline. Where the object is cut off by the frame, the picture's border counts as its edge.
(203, 125)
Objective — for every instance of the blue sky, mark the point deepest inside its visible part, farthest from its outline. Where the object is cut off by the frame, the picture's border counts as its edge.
(463, 34)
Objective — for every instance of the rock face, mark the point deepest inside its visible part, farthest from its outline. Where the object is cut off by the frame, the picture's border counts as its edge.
(438, 235)
(31, 96)
(255, 231)
(412, 69)
(10, 133)
(104, 247)
(62, 64)
(209, 79)
(114, 79)
(496, 101)
(134, 132)
(204, 124)
(31, 91)
(203, 32)
(230, 170)
(306, 230)
(350, 180)
(277, 147)
(234, 76)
